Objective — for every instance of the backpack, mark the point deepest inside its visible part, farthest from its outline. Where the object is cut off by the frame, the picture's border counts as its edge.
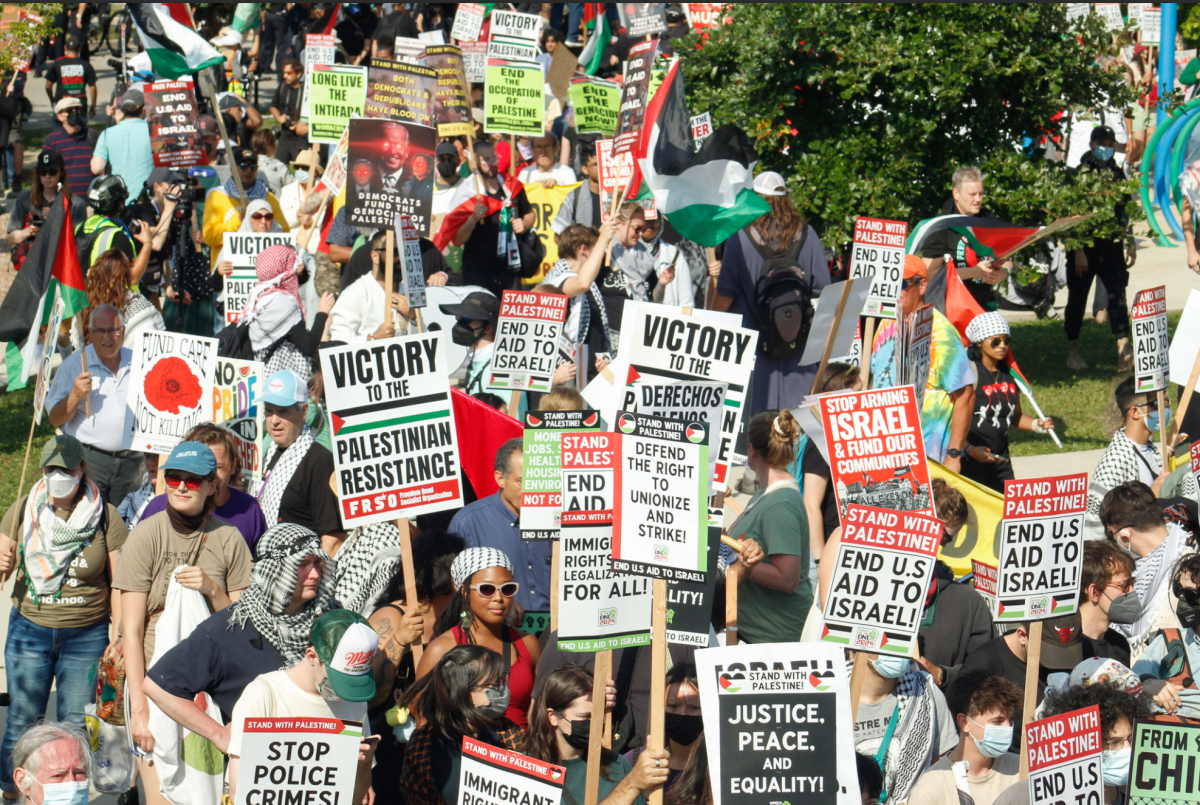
(1175, 669)
(783, 307)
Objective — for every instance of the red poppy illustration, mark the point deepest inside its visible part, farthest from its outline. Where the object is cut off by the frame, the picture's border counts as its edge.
(171, 385)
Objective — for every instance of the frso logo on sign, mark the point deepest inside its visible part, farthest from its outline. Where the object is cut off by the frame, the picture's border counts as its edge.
(608, 617)
(866, 637)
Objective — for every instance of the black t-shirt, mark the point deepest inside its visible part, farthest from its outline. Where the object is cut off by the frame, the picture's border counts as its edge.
(996, 399)
(355, 31)
(218, 661)
(287, 100)
(813, 463)
(308, 501)
(71, 77)
(1112, 646)
(482, 265)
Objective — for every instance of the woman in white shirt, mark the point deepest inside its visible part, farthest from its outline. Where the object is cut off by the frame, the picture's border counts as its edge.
(358, 314)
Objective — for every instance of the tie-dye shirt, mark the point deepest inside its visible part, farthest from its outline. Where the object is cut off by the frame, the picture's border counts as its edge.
(949, 370)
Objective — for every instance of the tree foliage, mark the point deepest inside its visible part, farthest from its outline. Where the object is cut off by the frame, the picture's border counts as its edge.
(18, 40)
(868, 108)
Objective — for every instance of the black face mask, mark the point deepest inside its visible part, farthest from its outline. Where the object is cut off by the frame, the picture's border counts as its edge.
(683, 729)
(463, 335)
(1189, 614)
(581, 732)
(73, 117)
(446, 168)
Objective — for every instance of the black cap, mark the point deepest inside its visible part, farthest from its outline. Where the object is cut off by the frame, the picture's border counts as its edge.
(74, 42)
(245, 157)
(1062, 642)
(1103, 133)
(51, 160)
(446, 149)
(481, 306)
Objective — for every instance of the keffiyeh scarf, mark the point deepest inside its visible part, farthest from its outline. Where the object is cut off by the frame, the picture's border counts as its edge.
(281, 551)
(366, 564)
(271, 489)
(912, 746)
(1121, 462)
(1151, 582)
(257, 192)
(473, 560)
(48, 543)
(557, 275)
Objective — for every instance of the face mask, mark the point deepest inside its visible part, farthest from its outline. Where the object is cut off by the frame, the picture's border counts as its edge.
(75, 793)
(61, 483)
(683, 729)
(890, 667)
(497, 702)
(1124, 608)
(1152, 421)
(1189, 614)
(446, 169)
(581, 732)
(1114, 763)
(1103, 153)
(72, 117)
(463, 335)
(301, 176)
(526, 151)
(995, 741)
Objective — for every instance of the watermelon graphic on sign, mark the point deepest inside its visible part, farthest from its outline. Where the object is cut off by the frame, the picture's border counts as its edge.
(533, 421)
(591, 421)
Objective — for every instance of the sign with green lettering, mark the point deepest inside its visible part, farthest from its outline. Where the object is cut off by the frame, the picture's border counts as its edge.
(596, 105)
(335, 94)
(513, 101)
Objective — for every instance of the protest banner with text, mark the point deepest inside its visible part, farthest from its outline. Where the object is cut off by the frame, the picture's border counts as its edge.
(394, 445)
(689, 603)
(704, 15)
(236, 387)
(1064, 758)
(546, 202)
(596, 103)
(42, 384)
(494, 776)
(298, 760)
(401, 91)
(635, 97)
(526, 351)
(702, 128)
(468, 20)
(409, 239)
(172, 375)
(616, 172)
(391, 172)
(919, 354)
(1151, 341)
(1041, 547)
(516, 24)
(643, 19)
(319, 51)
(513, 98)
(452, 100)
(337, 93)
(878, 251)
(175, 139)
(985, 579)
(474, 61)
(541, 471)
(1164, 770)
(242, 249)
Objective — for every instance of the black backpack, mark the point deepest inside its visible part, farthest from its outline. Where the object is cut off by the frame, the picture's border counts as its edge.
(782, 301)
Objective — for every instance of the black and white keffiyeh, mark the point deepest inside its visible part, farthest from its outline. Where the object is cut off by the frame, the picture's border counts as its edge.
(1151, 582)
(270, 490)
(1123, 461)
(912, 748)
(281, 551)
(366, 563)
(473, 560)
(986, 325)
(557, 275)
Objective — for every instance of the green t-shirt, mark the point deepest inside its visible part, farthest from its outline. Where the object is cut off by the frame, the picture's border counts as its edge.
(576, 781)
(777, 522)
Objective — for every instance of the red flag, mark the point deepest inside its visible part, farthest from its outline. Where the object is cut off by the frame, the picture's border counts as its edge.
(459, 215)
(481, 431)
(331, 19)
(961, 309)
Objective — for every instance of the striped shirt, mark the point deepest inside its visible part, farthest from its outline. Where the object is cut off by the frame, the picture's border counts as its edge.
(76, 150)
(110, 427)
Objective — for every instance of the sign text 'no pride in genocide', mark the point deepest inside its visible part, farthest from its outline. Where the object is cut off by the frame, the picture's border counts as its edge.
(235, 406)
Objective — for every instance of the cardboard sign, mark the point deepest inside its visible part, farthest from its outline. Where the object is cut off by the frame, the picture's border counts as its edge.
(876, 453)
(918, 354)
(319, 49)
(511, 49)
(527, 334)
(1111, 14)
(172, 376)
(687, 400)
(879, 250)
(280, 755)
(635, 96)
(513, 98)
(660, 513)
(474, 61)
(413, 285)
(394, 445)
(704, 15)
(541, 474)
(701, 128)
(1163, 770)
(337, 93)
(452, 100)
(468, 20)
(1041, 547)
(778, 724)
(877, 595)
(563, 65)
(1077, 11)
(985, 580)
(236, 387)
(175, 139)
(596, 104)
(643, 19)
(1064, 755)
(491, 776)
(690, 604)
(597, 608)
(401, 91)
(1151, 341)
(1151, 26)
(391, 172)
(42, 385)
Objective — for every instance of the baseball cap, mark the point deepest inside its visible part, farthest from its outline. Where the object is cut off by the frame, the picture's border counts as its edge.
(1103, 133)
(227, 38)
(914, 266)
(194, 457)
(1095, 670)
(67, 103)
(208, 126)
(51, 160)
(227, 100)
(244, 157)
(133, 98)
(770, 183)
(285, 388)
(62, 451)
(480, 305)
(446, 149)
(74, 42)
(159, 175)
(346, 644)
(1062, 642)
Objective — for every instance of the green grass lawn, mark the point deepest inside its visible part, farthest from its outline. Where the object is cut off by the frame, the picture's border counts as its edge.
(16, 415)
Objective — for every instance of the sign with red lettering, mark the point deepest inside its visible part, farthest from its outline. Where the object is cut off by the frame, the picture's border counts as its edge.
(526, 351)
(1041, 548)
(635, 97)
(884, 565)
(1196, 459)
(1064, 755)
(878, 252)
(876, 453)
(705, 15)
(985, 583)
(297, 760)
(468, 20)
(490, 774)
(541, 472)
(1151, 340)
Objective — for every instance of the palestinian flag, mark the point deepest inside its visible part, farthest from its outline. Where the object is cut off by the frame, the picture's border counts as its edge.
(464, 205)
(707, 195)
(986, 237)
(52, 261)
(174, 47)
(599, 35)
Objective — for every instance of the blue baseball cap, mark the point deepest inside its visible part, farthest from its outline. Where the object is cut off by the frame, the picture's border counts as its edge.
(285, 388)
(194, 457)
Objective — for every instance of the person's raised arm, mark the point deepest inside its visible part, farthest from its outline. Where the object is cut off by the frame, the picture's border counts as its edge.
(185, 713)
(468, 228)
(144, 237)
(590, 270)
(814, 496)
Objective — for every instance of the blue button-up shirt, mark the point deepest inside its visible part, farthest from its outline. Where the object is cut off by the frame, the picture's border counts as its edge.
(487, 523)
(110, 427)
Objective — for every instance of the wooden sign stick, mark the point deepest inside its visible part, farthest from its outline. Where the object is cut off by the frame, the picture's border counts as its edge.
(857, 677)
(473, 163)
(1185, 400)
(868, 341)
(599, 680)
(21, 486)
(420, 320)
(83, 367)
(410, 578)
(655, 739)
(731, 603)
(555, 558)
(312, 169)
(388, 267)
(1032, 662)
(843, 299)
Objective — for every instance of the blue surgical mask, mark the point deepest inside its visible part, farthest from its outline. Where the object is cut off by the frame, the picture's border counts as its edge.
(1114, 764)
(1152, 421)
(1103, 153)
(995, 741)
(75, 793)
(890, 667)
(301, 176)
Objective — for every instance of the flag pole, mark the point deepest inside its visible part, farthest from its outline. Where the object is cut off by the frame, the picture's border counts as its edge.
(1028, 392)
(210, 91)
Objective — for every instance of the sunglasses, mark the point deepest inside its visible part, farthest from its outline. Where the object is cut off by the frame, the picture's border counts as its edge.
(1000, 341)
(263, 216)
(1188, 594)
(47, 171)
(1152, 405)
(637, 230)
(103, 331)
(174, 480)
(488, 590)
(911, 282)
(1111, 533)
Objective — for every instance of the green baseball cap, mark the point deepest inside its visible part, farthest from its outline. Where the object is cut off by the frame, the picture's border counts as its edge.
(62, 451)
(346, 644)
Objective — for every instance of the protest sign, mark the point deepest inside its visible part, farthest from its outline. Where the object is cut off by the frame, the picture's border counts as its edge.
(394, 445)
(701, 128)
(401, 91)
(1151, 342)
(685, 399)
(985, 579)
(468, 20)
(238, 287)
(298, 760)
(493, 776)
(835, 312)
(515, 24)
(541, 473)
(616, 173)
(1135, 15)
(879, 250)
(877, 595)
(434, 37)
(410, 50)
(335, 172)
(1064, 756)
(660, 513)
(1163, 770)
(778, 724)
(319, 50)
(1041, 547)
(512, 49)
(876, 453)
(474, 61)
(690, 604)
(42, 384)
(236, 387)
(546, 202)
(172, 374)
(336, 94)
(635, 96)
(1151, 26)
(513, 100)
(242, 249)
(414, 270)
(391, 171)
(596, 103)
(451, 101)
(918, 354)
(1185, 342)
(563, 65)
(643, 19)
(1077, 11)
(1194, 454)
(1111, 14)
(597, 608)
(175, 139)
(526, 351)
(660, 343)
(704, 15)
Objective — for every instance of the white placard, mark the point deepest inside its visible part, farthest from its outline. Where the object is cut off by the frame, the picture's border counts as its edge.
(172, 378)
(414, 270)
(701, 128)
(516, 24)
(468, 21)
(1151, 339)
(878, 252)
(280, 755)
(526, 350)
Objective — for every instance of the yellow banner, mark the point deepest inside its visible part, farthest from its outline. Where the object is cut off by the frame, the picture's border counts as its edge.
(980, 537)
(546, 201)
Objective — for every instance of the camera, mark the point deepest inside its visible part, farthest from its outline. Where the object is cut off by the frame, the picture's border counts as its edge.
(191, 193)
(35, 219)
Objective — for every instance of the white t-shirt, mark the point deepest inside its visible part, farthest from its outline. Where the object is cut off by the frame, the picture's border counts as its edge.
(572, 326)
(561, 174)
(358, 312)
(274, 695)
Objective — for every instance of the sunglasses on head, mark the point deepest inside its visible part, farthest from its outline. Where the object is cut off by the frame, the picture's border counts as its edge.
(174, 479)
(263, 216)
(1000, 341)
(488, 590)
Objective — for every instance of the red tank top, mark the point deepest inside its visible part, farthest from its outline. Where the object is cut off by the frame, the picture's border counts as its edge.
(520, 678)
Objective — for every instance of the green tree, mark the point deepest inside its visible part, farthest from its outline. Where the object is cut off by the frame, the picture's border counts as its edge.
(868, 108)
(19, 38)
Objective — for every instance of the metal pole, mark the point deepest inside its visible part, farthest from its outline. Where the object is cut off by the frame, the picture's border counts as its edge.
(1166, 59)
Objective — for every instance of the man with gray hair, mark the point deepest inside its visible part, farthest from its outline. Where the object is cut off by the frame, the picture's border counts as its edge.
(107, 434)
(52, 763)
